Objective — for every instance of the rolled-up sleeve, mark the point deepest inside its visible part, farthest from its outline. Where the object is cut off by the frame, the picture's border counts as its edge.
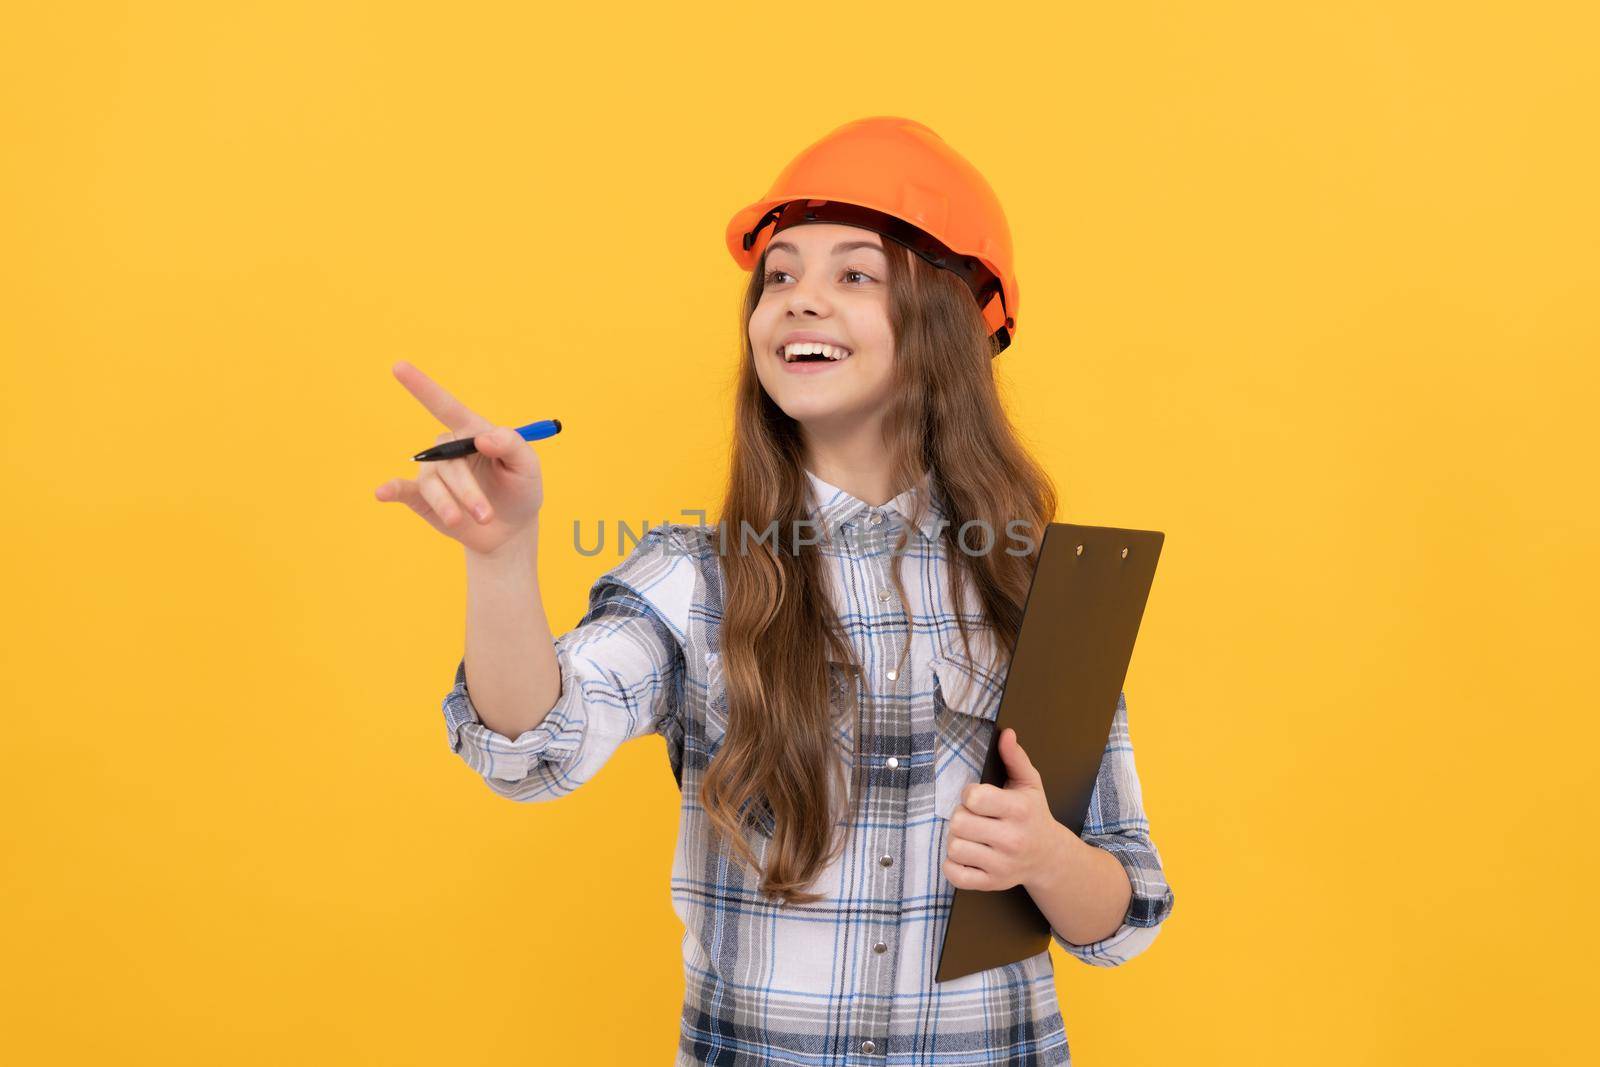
(621, 677)
(1116, 822)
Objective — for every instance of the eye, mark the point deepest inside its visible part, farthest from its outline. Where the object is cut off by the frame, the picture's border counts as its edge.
(773, 274)
(864, 274)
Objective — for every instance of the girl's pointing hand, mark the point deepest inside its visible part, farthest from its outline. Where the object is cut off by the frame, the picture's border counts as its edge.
(483, 500)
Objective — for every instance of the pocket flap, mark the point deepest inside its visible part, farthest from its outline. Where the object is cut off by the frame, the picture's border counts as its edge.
(967, 686)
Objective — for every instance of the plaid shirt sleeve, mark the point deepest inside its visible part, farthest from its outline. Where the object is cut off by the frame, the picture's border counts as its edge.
(1116, 822)
(621, 677)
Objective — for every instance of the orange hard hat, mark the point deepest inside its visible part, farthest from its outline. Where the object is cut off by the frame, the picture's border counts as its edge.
(899, 179)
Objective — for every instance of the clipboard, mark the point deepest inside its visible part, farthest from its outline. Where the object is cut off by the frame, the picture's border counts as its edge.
(1080, 618)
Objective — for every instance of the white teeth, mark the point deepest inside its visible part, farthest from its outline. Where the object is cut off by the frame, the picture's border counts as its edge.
(814, 348)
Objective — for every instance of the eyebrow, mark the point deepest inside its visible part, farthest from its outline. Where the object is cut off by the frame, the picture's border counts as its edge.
(842, 246)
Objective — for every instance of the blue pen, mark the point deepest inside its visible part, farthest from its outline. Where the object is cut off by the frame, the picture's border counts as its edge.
(464, 446)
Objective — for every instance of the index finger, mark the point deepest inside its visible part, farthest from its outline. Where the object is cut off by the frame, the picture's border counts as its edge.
(446, 408)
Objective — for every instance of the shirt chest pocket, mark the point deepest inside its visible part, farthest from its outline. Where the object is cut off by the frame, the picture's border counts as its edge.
(966, 700)
(711, 725)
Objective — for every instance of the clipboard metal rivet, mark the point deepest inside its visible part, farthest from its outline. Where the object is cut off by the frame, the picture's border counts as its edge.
(1124, 551)
(1080, 550)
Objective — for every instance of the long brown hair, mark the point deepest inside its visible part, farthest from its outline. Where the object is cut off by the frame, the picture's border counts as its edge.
(781, 640)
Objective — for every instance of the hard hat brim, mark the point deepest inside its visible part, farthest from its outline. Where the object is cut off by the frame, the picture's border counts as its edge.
(752, 228)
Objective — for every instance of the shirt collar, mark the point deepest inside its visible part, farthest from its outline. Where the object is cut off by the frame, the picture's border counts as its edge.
(835, 508)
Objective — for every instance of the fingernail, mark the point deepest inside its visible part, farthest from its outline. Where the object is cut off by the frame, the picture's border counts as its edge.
(481, 510)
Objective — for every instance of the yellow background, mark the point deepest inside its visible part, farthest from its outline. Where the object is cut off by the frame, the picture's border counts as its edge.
(1311, 288)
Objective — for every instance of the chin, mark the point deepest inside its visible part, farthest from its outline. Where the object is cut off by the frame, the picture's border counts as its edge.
(812, 411)
(809, 409)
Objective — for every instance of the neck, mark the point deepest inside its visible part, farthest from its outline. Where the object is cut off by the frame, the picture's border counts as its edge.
(854, 459)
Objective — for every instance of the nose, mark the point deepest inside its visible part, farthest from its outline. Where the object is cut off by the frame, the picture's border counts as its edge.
(808, 296)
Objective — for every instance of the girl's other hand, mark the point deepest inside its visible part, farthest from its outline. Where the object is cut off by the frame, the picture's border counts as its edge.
(484, 500)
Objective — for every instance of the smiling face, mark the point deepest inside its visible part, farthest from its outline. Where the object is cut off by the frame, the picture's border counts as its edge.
(826, 285)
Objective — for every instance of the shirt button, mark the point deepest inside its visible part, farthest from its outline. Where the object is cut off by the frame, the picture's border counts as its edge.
(886, 861)
(891, 762)
(877, 518)
(869, 1046)
(884, 594)
(892, 675)
(880, 948)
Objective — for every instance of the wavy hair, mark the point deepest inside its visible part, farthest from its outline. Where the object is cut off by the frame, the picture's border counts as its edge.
(782, 645)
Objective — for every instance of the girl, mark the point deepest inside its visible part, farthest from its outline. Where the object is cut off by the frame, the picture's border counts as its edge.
(826, 662)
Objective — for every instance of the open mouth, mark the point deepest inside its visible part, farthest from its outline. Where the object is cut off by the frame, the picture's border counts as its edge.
(812, 352)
